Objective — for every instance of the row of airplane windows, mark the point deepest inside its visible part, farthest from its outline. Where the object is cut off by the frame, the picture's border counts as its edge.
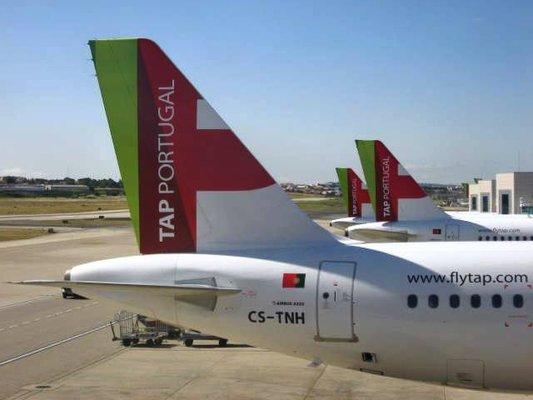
(475, 301)
(503, 238)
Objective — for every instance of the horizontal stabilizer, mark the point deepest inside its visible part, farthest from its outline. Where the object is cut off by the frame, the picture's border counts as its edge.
(183, 290)
(380, 234)
(346, 222)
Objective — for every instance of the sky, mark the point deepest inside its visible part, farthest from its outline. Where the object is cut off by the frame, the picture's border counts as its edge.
(446, 85)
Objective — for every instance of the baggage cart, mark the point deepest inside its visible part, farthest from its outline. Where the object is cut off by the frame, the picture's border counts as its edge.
(132, 329)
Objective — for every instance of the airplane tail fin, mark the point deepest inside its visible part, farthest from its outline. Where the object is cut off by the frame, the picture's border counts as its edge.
(190, 182)
(395, 195)
(354, 195)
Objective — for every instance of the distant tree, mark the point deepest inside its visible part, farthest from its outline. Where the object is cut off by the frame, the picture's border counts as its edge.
(10, 179)
(108, 183)
(91, 183)
(464, 188)
(69, 181)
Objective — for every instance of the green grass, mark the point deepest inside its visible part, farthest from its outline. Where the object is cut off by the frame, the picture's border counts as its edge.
(29, 206)
(20, 233)
(304, 195)
(36, 205)
(329, 206)
(74, 223)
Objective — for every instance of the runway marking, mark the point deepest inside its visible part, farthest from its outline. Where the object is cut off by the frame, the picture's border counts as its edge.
(50, 316)
(54, 344)
(33, 300)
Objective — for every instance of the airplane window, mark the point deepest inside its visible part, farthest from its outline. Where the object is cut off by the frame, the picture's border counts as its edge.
(502, 237)
(487, 237)
(412, 301)
(475, 301)
(495, 238)
(531, 238)
(517, 238)
(480, 238)
(433, 301)
(524, 237)
(510, 238)
(518, 301)
(454, 301)
(496, 301)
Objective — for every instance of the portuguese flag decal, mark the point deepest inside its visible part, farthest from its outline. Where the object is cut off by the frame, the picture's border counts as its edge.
(293, 280)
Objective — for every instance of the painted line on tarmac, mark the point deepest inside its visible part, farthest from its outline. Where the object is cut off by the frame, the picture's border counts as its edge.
(56, 314)
(33, 300)
(54, 344)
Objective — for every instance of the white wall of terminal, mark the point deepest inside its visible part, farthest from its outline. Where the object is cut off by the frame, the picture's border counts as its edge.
(509, 193)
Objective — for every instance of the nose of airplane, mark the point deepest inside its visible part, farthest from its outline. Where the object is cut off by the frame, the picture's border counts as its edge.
(66, 275)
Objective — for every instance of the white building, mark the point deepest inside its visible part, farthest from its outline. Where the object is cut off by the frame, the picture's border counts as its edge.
(67, 188)
(509, 193)
(482, 195)
(21, 188)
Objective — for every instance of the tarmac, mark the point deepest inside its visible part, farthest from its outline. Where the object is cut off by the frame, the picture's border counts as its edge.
(52, 348)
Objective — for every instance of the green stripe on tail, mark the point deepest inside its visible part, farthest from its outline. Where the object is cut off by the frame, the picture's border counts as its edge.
(116, 70)
(367, 155)
(342, 174)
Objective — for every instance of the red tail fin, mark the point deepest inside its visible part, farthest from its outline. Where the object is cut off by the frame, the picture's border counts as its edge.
(359, 195)
(183, 151)
(180, 137)
(394, 193)
(353, 193)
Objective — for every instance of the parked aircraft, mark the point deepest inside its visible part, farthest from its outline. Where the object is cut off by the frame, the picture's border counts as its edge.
(355, 198)
(404, 212)
(241, 261)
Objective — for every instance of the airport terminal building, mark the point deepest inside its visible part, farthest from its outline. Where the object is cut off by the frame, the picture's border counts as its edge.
(508, 193)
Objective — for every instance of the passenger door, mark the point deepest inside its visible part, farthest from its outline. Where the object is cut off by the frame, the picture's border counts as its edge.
(335, 301)
(451, 232)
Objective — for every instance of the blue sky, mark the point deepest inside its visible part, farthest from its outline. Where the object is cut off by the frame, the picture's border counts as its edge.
(447, 85)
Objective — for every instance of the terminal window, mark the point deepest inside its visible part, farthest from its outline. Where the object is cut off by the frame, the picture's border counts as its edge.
(473, 203)
(505, 203)
(485, 203)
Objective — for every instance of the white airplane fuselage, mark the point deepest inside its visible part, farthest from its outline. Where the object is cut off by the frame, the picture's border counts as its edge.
(352, 310)
(461, 226)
